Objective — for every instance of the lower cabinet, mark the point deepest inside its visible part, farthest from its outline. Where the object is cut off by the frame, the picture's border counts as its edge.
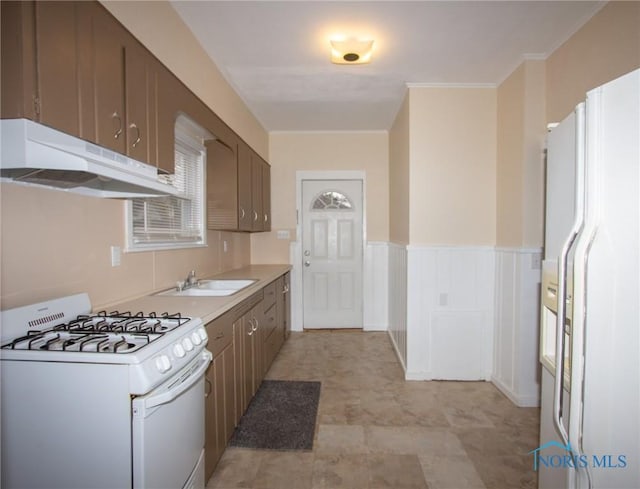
(220, 398)
(244, 343)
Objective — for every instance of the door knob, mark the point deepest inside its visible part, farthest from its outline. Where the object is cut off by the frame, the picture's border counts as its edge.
(307, 263)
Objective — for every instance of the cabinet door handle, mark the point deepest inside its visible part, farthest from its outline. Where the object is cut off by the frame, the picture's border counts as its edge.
(255, 216)
(134, 126)
(118, 132)
(210, 387)
(266, 218)
(252, 327)
(256, 324)
(242, 213)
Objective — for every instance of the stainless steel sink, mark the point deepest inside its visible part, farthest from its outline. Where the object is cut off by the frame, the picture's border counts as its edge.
(210, 288)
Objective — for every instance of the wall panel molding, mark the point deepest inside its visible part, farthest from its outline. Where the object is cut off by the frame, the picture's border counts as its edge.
(450, 301)
(375, 293)
(516, 369)
(397, 300)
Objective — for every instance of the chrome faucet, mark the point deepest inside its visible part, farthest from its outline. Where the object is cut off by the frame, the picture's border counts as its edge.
(191, 279)
(189, 282)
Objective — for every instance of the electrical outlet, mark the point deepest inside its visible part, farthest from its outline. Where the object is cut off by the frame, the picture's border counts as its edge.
(283, 234)
(116, 254)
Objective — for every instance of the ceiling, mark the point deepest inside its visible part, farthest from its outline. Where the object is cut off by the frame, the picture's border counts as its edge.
(275, 54)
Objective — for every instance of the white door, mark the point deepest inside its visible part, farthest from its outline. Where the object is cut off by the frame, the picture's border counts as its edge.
(332, 253)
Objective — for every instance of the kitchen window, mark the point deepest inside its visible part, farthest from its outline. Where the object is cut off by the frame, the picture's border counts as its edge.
(159, 223)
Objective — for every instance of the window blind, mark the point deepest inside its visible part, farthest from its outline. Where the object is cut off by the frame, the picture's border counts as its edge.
(173, 220)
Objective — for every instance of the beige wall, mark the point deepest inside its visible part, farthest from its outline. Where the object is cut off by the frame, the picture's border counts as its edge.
(604, 48)
(322, 151)
(509, 179)
(56, 244)
(452, 166)
(399, 176)
(520, 157)
(159, 27)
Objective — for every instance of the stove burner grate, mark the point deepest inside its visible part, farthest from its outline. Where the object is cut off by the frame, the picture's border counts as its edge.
(115, 332)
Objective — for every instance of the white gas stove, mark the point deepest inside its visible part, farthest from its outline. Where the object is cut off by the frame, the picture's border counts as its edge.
(154, 345)
(133, 380)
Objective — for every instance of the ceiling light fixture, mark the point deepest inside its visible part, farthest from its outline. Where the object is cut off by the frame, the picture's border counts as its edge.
(351, 51)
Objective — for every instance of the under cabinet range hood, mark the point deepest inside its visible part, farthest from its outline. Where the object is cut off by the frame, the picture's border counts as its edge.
(35, 154)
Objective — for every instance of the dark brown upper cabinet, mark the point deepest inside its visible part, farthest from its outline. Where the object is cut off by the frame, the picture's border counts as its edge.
(107, 41)
(18, 62)
(266, 196)
(222, 181)
(74, 67)
(123, 87)
(58, 101)
(254, 191)
(245, 208)
(257, 222)
(238, 188)
(40, 77)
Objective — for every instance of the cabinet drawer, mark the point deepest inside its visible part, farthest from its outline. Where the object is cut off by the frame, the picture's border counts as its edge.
(220, 334)
(273, 345)
(270, 321)
(269, 295)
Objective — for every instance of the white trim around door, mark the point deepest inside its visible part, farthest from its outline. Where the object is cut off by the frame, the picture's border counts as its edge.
(295, 249)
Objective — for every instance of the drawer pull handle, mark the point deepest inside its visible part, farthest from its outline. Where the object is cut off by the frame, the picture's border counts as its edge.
(220, 335)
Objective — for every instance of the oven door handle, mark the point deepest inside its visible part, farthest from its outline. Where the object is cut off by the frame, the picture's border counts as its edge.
(177, 388)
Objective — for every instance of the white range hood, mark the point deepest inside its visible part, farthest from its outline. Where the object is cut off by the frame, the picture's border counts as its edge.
(34, 154)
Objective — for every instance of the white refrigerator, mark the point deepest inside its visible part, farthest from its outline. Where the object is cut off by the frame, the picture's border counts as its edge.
(590, 313)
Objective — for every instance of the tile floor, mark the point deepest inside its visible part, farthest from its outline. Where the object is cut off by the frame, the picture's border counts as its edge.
(376, 431)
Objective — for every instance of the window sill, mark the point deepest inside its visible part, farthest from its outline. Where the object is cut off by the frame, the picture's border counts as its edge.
(163, 247)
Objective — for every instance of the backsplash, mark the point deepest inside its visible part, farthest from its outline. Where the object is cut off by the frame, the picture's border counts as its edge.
(54, 244)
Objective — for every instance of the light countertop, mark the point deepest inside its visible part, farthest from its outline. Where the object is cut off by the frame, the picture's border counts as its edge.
(208, 308)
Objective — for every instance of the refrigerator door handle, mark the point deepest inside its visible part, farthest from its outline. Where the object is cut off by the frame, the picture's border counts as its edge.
(589, 161)
(576, 228)
(558, 385)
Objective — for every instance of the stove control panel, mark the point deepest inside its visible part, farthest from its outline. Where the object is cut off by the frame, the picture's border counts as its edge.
(171, 358)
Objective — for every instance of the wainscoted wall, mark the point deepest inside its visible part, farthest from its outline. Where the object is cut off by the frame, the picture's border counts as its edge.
(457, 313)
(450, 295)
(397, 300)
(515, 364)
(376, 286)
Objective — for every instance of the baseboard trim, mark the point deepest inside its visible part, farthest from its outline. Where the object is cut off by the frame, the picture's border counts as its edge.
(397, 352)
(520, 401)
